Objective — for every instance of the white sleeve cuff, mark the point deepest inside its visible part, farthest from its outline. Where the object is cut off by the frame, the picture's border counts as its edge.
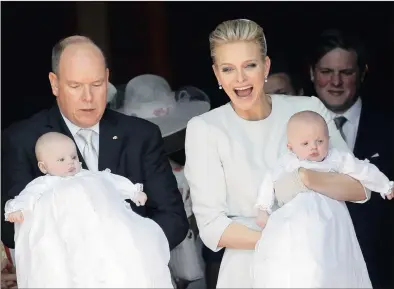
(367, 196)
(211, 233)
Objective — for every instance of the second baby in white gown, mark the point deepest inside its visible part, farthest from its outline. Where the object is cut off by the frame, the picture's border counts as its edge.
(74, 229)
(310, 242)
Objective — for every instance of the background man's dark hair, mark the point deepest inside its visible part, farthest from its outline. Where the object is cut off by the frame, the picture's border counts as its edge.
(331, 39)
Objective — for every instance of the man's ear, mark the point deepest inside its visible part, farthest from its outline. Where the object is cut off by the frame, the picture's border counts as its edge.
(289, 147)
(42, 168)
(54, 83)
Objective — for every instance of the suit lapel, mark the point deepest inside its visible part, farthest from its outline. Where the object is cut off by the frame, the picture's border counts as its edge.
(56, 123)
(365, 145)
(111, 142)
(358, 148)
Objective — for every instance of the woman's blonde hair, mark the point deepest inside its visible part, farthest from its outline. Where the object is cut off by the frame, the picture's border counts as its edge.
(237, 30)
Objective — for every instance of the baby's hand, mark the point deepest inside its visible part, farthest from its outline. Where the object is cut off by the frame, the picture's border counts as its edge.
(15, 217)
(391, 195)
(262, 218)
(140, 199)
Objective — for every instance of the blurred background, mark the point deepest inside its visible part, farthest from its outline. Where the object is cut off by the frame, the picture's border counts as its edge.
(170, 39)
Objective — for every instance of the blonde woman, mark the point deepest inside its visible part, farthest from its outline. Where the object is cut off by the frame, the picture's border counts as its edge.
(229, 149)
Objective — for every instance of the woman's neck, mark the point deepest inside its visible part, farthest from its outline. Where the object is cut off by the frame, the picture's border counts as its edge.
(261, 110)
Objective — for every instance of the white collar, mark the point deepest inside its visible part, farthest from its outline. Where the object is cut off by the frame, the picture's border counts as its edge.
(74, 128)
(353, 113)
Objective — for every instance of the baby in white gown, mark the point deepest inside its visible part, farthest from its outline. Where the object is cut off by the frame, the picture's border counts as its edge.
(74, 228)
(310, 241)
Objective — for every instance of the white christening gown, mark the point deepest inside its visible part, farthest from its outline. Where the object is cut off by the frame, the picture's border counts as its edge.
(79, 232)
(310, 242)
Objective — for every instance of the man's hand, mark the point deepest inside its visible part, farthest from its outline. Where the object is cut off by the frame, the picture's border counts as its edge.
(15, 217)
(289, 185)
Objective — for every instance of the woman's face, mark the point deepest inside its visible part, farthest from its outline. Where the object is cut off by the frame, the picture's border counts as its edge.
(240, 69)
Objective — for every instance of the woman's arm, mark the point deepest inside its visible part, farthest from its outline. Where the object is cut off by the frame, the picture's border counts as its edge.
(334, 185)
(238, 236)
(205, 176)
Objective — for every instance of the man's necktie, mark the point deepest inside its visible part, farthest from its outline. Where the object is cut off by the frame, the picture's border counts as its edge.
(339, 122)
(89, 152)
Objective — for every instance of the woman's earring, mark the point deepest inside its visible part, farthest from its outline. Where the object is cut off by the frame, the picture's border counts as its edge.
(265, 79)
(220, 86)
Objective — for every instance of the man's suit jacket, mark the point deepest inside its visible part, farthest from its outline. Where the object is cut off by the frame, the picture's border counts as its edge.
(373, 220)
(129, 146)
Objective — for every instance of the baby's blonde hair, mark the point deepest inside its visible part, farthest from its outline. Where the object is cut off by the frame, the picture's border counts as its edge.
(237, 30)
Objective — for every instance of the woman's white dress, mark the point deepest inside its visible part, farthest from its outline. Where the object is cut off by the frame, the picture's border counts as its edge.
(79, 232)
(311, 238)
(226, 160)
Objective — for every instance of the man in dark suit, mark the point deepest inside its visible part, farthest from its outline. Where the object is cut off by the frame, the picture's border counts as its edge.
(128, 146)
(338, 68)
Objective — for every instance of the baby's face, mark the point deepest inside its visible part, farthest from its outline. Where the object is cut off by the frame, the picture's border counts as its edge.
(62, 160)
(309, 142)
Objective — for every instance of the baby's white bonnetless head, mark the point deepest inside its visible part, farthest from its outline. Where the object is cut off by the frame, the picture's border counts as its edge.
(307, 136)
(57, 155)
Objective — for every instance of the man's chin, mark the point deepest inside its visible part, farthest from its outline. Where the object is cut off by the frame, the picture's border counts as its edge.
(339, 107)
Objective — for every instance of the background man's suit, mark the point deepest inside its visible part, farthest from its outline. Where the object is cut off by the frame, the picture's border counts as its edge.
(373, 221)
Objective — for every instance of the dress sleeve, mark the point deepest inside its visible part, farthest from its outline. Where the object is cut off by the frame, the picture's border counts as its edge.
(205, 175)
(123, 185)
(27, 199)
(336, 140)
(366, 173)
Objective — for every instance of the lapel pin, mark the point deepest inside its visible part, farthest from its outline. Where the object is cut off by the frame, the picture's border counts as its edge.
(115, 137)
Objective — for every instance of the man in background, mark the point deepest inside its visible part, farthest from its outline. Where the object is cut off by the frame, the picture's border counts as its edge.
(338, 68)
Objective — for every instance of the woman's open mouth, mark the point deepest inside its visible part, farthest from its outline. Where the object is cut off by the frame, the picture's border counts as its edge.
(243, 91)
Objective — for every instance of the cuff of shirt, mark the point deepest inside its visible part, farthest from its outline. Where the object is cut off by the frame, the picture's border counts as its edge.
(212, 232)
(367, 196)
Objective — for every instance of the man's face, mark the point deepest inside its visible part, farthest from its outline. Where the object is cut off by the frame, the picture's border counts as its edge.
(335, 79)
(80, 86)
